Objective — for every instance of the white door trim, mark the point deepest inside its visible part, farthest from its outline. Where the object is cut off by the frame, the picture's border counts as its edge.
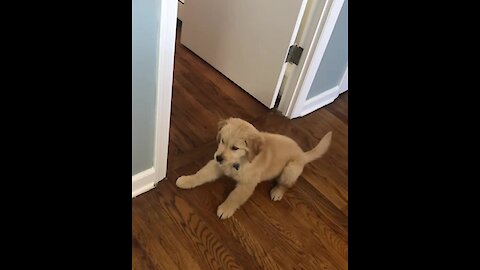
(147, 179)
(344, 81)
(296, 105)
(166, 53)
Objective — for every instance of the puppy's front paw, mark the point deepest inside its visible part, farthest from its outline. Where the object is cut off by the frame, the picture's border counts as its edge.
(185, 182)
(225, 211)
(276, 194)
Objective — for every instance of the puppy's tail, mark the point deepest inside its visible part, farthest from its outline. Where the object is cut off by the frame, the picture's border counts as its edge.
(320, 149)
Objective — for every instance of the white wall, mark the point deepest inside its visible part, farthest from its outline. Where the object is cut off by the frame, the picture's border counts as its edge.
(145, 29)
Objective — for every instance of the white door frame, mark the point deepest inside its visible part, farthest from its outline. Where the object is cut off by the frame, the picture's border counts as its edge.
(344, 81)
(148, 179)
(298, 105)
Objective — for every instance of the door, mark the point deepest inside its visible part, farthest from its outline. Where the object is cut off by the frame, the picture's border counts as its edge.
(245, 40)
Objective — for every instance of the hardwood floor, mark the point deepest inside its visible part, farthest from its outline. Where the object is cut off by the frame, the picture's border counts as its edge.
(178, 229)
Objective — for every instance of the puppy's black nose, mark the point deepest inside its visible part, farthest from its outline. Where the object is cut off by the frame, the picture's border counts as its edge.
(236, 166)
(219, 158)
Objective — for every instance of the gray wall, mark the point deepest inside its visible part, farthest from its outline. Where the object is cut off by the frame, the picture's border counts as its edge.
(145, 25)
(335, 59)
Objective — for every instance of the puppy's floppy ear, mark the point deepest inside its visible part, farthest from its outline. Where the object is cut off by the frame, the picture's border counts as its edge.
(221, 124)
(254, 145)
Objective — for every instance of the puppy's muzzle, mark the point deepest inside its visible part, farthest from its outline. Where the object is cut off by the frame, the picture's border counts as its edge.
(219, 159)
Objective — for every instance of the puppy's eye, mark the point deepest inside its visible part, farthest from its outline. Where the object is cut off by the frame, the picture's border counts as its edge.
(234, 148)
(223, 141)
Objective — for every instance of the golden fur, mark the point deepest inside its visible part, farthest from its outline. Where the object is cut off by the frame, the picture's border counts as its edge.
(250, 157)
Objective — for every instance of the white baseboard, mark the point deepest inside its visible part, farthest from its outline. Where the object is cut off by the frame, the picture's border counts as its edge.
(143, 182)
(319, 101)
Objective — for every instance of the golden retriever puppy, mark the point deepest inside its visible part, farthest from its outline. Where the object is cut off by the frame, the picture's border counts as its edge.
(250, 157)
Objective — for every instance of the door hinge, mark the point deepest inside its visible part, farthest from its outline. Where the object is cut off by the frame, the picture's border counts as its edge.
(294, 54)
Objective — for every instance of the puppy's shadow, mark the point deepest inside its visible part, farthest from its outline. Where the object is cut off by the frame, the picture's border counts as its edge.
(228, 184)
(263, 188)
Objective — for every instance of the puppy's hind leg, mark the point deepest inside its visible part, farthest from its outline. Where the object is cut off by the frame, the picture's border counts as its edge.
(286, 180)
(210, 172)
